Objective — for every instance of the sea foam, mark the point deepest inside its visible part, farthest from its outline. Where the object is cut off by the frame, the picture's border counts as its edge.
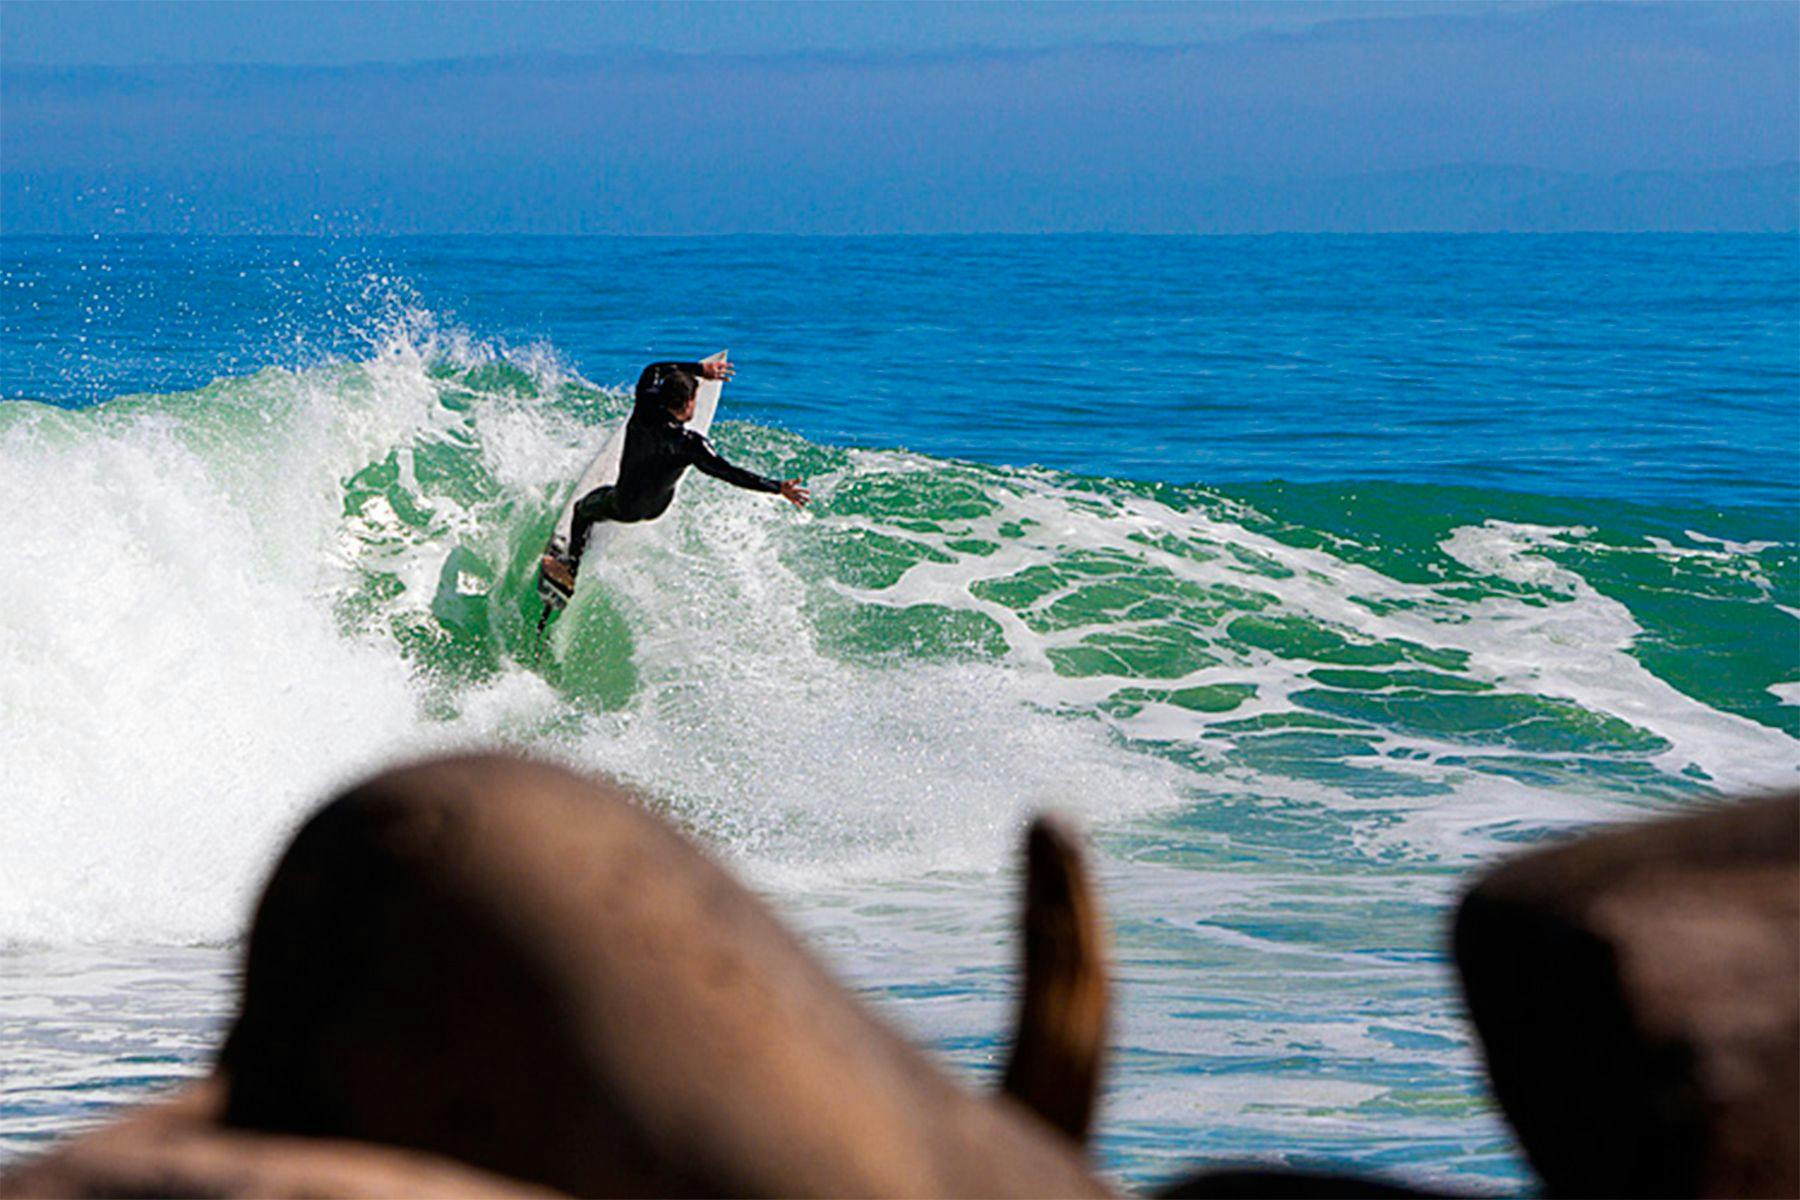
(224, 604)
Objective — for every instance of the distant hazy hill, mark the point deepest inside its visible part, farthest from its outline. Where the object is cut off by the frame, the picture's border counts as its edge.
(1488, 198)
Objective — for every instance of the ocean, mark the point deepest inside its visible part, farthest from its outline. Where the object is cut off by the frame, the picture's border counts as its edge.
(1308, 574)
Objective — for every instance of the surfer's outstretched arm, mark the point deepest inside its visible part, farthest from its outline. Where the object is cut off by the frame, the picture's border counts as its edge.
(702, 456)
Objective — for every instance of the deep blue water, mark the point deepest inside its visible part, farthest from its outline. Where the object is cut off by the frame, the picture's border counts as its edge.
(1654, 368)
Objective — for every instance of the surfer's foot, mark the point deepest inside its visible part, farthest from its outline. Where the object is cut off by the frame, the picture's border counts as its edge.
(559, 571)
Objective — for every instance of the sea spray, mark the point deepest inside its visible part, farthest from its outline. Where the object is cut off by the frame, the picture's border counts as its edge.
(228, 602)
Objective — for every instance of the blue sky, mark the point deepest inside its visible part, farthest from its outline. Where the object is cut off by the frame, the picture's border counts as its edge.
(847, 118)
(283, 31)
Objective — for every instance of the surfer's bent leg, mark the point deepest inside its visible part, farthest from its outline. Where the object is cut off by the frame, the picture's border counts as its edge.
(597, 505)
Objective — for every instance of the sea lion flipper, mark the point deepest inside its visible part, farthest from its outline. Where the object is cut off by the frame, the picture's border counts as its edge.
(1061, 1036)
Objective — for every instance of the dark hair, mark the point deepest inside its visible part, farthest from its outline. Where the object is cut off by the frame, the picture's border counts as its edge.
(673, 387)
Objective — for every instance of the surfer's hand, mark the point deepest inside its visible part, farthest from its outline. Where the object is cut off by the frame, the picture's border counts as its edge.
(794, 493)
(720, 370)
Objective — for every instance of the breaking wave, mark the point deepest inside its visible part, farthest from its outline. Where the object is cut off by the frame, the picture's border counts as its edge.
(220, 604)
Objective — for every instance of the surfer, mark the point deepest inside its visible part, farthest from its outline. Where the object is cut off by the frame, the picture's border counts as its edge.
(659, 448)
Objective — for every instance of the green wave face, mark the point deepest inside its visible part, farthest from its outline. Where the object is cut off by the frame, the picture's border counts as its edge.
(1376, 640)
(1382, 641)
(1347, 646)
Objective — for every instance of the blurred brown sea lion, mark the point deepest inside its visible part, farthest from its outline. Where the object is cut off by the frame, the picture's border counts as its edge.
(178, 1147)
(519, 968)
(1637, 992)
(485, 976)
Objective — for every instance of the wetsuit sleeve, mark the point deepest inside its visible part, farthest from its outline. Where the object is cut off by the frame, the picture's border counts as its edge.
(700, 454)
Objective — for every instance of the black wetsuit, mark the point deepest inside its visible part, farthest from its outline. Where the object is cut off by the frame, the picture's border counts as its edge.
(658, 450)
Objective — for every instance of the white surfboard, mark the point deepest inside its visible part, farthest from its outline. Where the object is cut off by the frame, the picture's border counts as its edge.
(604, 470)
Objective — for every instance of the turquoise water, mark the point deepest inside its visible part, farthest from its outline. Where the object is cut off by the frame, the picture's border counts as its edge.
(1308, 573)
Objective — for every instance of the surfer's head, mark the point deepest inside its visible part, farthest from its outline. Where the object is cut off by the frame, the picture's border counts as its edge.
(672, 389)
